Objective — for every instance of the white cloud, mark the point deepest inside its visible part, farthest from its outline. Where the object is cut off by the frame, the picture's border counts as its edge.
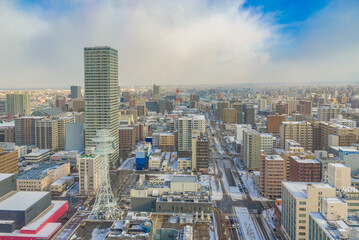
(160, 41)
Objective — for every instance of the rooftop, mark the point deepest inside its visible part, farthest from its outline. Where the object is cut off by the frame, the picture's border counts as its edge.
(4, 176)
(39, 171)
(274, 157)
(21, 201)
(299, 189)
(188, 179)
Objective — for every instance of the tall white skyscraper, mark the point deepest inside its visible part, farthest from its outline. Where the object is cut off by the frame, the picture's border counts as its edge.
(101, 94)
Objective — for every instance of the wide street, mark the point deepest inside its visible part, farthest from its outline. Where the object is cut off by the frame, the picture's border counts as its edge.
(226, 166)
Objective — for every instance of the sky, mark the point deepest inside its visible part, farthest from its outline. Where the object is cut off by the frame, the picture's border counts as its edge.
(183, 42)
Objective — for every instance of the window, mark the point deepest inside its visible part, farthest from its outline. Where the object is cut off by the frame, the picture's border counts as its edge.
(302, 203)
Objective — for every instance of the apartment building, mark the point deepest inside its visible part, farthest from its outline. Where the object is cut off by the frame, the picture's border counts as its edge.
(167, 142)
(47, 135)
(294, 151)
(302, 132)
(274, 122)
(89, 169)
(186, 125)
(272, 173)
(25, 130)
(127, 139)
(304, 170)
(326, 113)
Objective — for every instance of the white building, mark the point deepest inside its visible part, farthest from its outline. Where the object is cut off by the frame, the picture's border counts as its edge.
(186, 125)
(88, 167)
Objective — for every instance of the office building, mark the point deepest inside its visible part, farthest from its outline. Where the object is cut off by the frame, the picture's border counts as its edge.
(41, 177)
(34, 218)
(37, 155)
(9, 161)
(88, 166)
(299, 199)
(304, 170)
(127, 139)
(327, 113)
(101, 94)
(18, 104)
(301, 132)
(75, 92)
(339, 175)
(272, 174)
(75, 136)
(47, 135)
(274, 122)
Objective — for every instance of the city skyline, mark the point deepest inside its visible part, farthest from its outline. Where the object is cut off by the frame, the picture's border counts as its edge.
(209, 42)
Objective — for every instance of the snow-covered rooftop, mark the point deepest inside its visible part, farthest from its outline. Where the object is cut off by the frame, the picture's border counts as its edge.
(21, 201)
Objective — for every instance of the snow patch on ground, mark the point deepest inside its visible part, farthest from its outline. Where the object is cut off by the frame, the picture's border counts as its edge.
(129, 163)
(216, 190)
(252, 188)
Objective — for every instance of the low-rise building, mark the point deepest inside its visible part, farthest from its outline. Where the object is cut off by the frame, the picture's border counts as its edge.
(41, 176)
(37, 155)
(184, 164)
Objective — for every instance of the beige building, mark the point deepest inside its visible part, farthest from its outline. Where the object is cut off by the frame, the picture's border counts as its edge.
(88, 167)
(299, 199)
(154, 163)
(186, 126)
(302, 132)
(294, 151)
(339, 175)
(46, 134)
(229, 115)
(61, 128)
(167, 142)
(184, 164)
(253, 143)
(42, 176)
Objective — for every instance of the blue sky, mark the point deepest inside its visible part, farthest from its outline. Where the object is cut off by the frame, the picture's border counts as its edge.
(170, 42)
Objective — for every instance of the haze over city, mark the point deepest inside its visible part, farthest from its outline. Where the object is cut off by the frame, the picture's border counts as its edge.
(186, 42)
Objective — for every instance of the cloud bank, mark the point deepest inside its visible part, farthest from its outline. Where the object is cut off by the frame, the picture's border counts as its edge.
(176, 42)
